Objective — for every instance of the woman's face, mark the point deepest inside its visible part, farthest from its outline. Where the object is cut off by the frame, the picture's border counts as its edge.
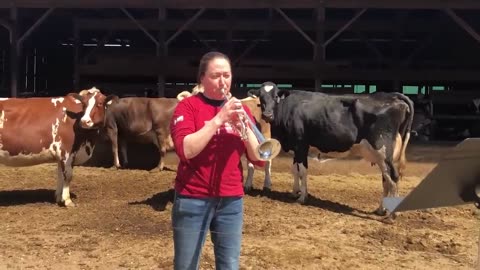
(218, 76)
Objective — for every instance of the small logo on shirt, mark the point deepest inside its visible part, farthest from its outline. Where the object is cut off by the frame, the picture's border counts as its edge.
(178, 119)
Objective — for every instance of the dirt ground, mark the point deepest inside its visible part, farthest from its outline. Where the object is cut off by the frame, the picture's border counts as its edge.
(122, 221)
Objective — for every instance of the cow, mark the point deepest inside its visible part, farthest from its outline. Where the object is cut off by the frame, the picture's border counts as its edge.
(264, 127)
(141, 120)
(375, 127)
(422, 120)
(52, 129)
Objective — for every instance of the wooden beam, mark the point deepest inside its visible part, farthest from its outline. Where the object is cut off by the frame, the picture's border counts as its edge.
(14, 52)
(422, 46)
(281, 70)
(254, 43)
(140, 26)
(5, 24)
(319, 54)
(370, 46)
(399, 18)
(350, 22)
(205, 24)
(76, 56)
(100, 44)
(186, 25)
(161, 52)
(295, 26)
(462, 23)
(35, 25)
(201, 39)
(244, 4)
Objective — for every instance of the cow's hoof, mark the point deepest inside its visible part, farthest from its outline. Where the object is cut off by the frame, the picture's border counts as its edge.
(69, 204)
(302, 200)
(389, 218)
(380, 211)
(266, 191)
(295, 195)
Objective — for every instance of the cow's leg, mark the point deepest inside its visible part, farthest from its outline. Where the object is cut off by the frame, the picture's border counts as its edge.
(123, 152)
(62, 194)
(267, 183)
(113, 136)
(302, 171)
(389, 180)
(60, 181)
(299, 170)
(163, 153)
(249, 181)
(296, 182)
(161, 144)
(383, 156)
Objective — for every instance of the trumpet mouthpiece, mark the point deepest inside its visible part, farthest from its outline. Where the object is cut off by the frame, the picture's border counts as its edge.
(224, 92)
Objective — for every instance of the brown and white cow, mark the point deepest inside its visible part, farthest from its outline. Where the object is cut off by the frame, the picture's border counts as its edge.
(254, 105)
(44, 130)
(141, 120)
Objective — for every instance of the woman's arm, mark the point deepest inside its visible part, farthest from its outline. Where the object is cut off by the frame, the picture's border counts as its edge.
(195, 142)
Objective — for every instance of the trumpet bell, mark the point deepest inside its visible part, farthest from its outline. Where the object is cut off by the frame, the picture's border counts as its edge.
(268, 150)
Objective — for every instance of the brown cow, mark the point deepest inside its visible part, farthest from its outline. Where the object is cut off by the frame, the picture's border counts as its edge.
(254, 105)
(43, 130)
(142, 120)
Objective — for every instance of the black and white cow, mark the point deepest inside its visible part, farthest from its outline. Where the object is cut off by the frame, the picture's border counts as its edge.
(375, 127)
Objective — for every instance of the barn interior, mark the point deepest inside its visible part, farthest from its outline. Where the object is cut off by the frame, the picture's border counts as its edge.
(427, 49)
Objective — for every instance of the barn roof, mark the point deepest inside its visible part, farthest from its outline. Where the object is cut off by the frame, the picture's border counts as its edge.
(245, 4)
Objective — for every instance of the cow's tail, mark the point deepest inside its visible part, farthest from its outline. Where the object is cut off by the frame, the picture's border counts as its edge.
(404, 130)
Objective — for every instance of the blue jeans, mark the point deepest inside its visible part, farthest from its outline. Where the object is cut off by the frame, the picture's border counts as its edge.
(191, 220)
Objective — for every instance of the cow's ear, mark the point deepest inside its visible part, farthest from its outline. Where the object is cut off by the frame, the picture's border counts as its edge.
(282, 94)
(253, 93)
(76, 96)
(111, 99)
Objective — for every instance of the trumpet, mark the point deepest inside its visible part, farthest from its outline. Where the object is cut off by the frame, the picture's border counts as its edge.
(267, 149)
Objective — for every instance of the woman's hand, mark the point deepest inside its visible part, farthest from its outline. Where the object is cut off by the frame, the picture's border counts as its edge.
(232, 111)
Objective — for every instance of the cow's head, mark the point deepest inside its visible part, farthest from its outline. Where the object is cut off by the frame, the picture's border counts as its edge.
(94, 105)
(270, 96)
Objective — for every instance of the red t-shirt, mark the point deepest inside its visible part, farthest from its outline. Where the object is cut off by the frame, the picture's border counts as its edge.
(216, 171)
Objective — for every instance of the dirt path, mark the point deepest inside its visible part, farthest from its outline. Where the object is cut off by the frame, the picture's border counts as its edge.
(123, 221)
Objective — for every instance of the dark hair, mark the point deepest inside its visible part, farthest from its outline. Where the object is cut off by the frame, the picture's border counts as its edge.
(205, 60)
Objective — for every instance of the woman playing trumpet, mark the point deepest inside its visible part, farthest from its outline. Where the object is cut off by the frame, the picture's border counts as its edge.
(208, 186)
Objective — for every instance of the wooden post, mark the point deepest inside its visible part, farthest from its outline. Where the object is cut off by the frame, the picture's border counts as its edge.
(230, 22)
(396, 47)
(319, 53)
(14, 52)
(76, 56)
(162, 51)
(254, 43)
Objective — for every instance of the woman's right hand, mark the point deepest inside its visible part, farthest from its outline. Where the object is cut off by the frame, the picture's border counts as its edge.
(231, 111)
